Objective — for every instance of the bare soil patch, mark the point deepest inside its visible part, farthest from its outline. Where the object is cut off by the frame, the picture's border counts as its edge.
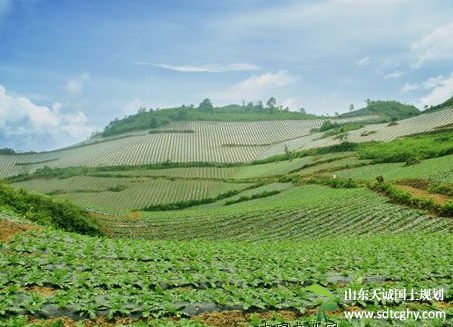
(44, 291)
(438, 198)
(236, 317)
(8, 229)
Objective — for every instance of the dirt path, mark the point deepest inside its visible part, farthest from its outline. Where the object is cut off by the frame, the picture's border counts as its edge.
(441, 199)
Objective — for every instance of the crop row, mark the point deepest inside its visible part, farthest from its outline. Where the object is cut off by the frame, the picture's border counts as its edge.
(352, 216)
(97, 276)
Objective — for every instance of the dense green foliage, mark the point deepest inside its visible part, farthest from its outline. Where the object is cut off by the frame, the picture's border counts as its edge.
(331, 129)
(191, 203)
(10, 151)
(7, 151)
(150, 118)
(264, 194)
(410, 149)
(385, 109)
(124, 278)
(47, 211)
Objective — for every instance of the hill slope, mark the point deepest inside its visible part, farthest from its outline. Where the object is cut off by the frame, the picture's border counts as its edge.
(446, 104)
(385, 109)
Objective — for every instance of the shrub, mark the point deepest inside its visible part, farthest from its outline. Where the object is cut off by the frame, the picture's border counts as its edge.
(447, 209)
(253, 197)
(47, 211)
(406, 198)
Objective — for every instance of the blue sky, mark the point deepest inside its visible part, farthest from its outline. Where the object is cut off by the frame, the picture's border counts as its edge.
(68, 67)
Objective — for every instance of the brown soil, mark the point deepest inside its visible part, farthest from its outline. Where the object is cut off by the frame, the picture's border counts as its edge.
(444, 305)
(440, 199)
(9, 229)
(215, 319)
(236, 317)
(44, 291)
(68, 322)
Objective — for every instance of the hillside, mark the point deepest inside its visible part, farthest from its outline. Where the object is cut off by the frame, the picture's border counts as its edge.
(446, 104)
(205, 111)
(219, 246)
(389, 110)
(229, 223)
(217, 142)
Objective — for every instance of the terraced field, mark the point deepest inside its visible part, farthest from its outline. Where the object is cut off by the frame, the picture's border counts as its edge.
(210, 142)
(438, 169)
(298, 213)
(379, 132)
(128, 193)
(184, 173)
(284, 167)
(244, 259)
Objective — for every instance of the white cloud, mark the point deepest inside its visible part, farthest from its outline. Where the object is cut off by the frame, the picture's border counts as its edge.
(256, 87)
(74, 86)
(207, 68)
(363, 62)
(132, 107)
(395, 75)
(259, 83)
(426, 85)
(24, 124)
(441, 90)
(292, 103)
(437, 45)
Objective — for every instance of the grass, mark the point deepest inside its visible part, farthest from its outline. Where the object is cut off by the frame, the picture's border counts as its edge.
(439, 169)
(409, 149)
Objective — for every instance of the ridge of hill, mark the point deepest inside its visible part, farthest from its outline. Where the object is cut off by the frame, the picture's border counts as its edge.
(447, 103)
(153, 118)
(389, 110)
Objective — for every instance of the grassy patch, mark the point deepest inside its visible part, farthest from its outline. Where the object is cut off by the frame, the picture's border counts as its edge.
(48, 211)
(409, 149)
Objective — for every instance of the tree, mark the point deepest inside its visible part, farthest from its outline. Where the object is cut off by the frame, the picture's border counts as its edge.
(351, 107)
(259, 105)
(182, 114)
(153, 123)
(271, 103)
(302, 110)
(250, 106)
(206, 106)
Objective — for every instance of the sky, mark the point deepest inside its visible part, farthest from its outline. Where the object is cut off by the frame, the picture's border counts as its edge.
(69, 67)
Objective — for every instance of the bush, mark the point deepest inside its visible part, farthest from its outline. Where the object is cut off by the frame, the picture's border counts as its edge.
(447, 209)
(253, 197)
(47, 211)
(410, 149)
(406, 198)
(117, 188)
(190, 203)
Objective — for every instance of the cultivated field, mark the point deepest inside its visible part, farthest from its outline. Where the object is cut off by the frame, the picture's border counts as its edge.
(230, 245)
(212, 142)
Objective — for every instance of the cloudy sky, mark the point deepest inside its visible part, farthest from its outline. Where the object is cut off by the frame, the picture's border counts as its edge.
(68, 67)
